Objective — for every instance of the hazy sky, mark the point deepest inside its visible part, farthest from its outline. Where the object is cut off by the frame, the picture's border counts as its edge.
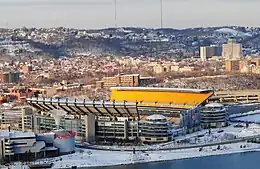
(138, 13)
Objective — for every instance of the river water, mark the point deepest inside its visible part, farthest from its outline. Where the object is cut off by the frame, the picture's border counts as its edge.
(249, 160)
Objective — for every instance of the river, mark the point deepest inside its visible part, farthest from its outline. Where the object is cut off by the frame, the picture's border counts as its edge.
(247, 160)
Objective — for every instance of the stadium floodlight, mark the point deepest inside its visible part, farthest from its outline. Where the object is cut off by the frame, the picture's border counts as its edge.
(57, 114)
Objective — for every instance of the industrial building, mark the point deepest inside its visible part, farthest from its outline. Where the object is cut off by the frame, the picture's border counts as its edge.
(121, 117)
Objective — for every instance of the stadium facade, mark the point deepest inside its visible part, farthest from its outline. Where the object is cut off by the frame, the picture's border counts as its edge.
(126, 114)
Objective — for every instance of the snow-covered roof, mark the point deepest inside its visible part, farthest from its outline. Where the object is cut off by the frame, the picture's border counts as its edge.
(150, 77)
(216, 105)
(162, 89)
(60, 132)
(15, 134)
(131, 75)
(156, 117)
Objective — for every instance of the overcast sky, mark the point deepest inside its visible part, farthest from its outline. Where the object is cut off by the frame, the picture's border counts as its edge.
(137, 13)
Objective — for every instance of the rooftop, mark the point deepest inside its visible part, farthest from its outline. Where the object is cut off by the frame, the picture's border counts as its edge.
(214, 105)
(79, 101)
(15, 134)
(156, 117)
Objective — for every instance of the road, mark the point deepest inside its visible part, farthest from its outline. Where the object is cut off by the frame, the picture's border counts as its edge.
(237, 140)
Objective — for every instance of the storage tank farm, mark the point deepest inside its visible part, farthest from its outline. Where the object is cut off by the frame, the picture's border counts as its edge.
(64, 140)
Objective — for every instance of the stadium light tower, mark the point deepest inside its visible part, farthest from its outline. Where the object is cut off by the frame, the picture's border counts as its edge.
(161, 10)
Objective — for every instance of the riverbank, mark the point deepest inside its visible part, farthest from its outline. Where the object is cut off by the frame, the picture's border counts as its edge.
(95, 158)
(230, 140)
(163, 162)
(90, 159)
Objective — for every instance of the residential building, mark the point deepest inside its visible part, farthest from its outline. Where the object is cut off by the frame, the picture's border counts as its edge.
(26, 68)
(10, 77)
(232, 65)
(128, 80)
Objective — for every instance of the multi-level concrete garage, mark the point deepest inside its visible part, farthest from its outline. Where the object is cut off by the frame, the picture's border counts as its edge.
(180, 106)
(155, 129)
(213, 115)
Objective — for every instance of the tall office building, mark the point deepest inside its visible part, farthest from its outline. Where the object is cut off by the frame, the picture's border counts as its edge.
(206, 52)
(232, 50)
(217, 50)
(209, 51)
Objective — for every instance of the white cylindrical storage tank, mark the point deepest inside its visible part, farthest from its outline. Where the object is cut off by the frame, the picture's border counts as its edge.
(64, 141)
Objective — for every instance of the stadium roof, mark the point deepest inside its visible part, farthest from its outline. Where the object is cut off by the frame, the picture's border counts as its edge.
(105, 108)
(169, 97)
(161, 89)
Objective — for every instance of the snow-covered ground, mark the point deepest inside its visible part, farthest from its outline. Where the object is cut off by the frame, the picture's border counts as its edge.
(200, 137)
(233, 32)
(104, 158)
(245, 114)
(88, 158)
(253, 118)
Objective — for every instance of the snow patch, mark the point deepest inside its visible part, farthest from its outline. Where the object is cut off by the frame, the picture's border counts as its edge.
(232, 32)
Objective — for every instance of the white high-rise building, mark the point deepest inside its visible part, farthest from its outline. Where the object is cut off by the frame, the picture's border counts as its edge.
(206, 52)
(232, 50)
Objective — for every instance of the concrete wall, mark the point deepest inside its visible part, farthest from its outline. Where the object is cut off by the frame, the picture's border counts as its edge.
(90, 127)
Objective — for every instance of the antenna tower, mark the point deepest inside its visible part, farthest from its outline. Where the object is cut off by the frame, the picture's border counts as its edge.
(161, 11)
(115, 12)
